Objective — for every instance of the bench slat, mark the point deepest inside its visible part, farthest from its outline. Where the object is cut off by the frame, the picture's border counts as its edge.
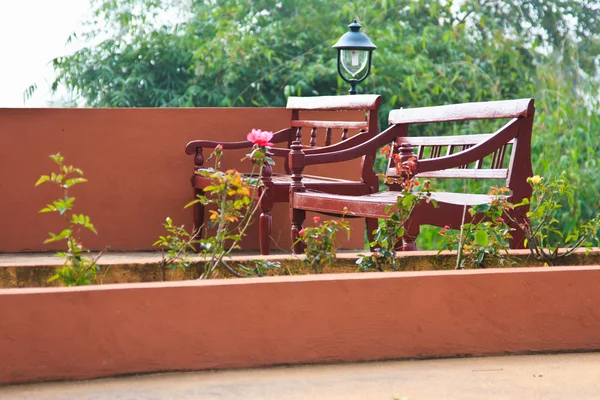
(337, 103)
(459, 173)
(463, 112)
(330, 124)
(446, 140)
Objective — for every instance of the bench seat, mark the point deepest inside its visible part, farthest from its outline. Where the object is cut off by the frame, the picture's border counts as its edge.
(374, 205)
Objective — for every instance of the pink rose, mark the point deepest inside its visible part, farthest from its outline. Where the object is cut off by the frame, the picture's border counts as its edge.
(317, 220)
(301, 232)
(219, 147)
(260, 138)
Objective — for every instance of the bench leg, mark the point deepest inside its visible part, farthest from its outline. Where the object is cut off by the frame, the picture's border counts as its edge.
(264, 231)
(264, 223)
(411, 231)
(298, 217)
(518, 237)
(371, 224)
(198, 210)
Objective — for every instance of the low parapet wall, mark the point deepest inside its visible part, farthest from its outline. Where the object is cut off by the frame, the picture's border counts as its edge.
(77, 333)
(137, 170)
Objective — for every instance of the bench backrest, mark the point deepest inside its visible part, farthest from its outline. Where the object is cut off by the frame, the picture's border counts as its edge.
(479, 156)
(325, 129)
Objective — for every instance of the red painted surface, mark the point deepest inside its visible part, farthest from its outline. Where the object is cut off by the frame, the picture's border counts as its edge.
(115, 329)
(136, 166)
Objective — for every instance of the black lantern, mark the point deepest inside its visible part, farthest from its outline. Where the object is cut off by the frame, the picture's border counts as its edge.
(354, 56)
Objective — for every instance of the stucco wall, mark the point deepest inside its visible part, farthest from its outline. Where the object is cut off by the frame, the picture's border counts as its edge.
(136, 166)
(74, 333)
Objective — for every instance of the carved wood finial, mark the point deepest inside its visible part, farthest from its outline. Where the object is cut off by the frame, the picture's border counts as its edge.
(266, 171)
(407, 161)
(198, 158)
(406, 152)
(296, 146)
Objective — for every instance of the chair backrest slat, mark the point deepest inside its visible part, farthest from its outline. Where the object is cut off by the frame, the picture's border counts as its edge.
(446, 140)
(331, 124)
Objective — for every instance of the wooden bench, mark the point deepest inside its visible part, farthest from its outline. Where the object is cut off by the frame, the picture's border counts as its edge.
(505, 154)
(336, 135)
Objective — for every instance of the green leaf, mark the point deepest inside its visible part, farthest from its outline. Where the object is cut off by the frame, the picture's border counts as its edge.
(481, 208)
(55, 238)
(83, 220)
(48, 208)
(481, 237)
(73, 181)
(57, 158)
(523, 202)
(43, 178)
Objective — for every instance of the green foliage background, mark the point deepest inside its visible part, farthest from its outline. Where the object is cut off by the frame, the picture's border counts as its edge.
(228, 53)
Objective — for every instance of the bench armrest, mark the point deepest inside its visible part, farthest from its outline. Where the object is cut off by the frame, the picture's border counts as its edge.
(359, 150)
(351, 142)
(278, 137)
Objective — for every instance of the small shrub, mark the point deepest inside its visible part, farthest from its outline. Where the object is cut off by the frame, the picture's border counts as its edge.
(390, 231)
(76, 269)
(177, 243)
(261, 268)
(319, 242)
(543, 238)
(486, 239)
(235, 202)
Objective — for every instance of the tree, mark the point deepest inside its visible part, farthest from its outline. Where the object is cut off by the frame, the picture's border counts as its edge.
(257, 52)
(242, 52)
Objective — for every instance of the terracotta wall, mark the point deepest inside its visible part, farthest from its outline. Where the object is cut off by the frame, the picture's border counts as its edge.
(105, 330)
(137, 169)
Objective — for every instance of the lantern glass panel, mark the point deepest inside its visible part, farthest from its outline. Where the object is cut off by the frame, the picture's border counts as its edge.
(354, 61)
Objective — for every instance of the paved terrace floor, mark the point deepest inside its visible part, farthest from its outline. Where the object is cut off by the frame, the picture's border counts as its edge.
(548, 377)
(145, 257)
(136, 257)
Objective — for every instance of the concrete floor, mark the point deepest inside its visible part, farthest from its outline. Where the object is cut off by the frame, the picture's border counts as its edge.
(548, 377)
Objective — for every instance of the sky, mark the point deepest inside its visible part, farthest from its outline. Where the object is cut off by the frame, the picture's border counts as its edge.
(32, 33)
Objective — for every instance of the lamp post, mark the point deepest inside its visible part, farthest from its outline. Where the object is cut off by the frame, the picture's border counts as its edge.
(354, 56)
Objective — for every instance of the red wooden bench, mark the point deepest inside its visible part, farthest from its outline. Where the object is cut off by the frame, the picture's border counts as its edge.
(478, 156)
(277, 185)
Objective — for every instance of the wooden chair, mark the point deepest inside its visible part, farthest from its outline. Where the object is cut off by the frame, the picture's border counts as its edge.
(479, 156)
(277, 185)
